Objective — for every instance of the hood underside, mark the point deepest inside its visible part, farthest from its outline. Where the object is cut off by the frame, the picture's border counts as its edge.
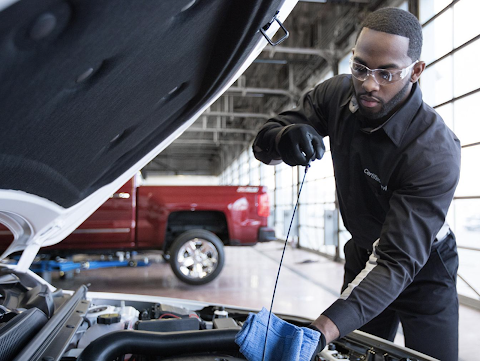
(93, 90)
(89, 87)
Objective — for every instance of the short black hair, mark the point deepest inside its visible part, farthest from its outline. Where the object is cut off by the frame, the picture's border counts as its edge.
(397, 22)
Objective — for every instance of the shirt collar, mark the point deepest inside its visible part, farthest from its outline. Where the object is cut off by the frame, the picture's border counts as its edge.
(396, 126)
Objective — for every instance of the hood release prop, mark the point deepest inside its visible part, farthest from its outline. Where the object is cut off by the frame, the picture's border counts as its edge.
(267, 26)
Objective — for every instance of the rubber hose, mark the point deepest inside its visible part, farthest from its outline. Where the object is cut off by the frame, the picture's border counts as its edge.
(163, 344)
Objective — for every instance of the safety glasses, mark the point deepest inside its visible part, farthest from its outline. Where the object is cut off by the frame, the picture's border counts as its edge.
(381, 76)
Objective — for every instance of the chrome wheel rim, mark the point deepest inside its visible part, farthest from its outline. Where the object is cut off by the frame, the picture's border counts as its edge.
(197, 258)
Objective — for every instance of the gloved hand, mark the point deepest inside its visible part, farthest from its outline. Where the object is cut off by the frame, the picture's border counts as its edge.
(298, 144)
(286, 342)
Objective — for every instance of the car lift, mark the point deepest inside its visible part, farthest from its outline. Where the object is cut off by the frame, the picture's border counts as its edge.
(65, 266)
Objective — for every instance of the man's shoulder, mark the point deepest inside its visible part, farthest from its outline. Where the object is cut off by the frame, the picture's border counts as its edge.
(434, 122)
(429, 119)
(434, 137)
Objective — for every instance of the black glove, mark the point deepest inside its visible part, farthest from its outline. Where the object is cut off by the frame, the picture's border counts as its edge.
(298, 144)
(322, 342)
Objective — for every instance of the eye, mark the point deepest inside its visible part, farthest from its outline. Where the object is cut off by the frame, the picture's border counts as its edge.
(385, 75)
(358, 68)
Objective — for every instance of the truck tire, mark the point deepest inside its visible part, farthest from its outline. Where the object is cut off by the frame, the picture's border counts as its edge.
(197, 256)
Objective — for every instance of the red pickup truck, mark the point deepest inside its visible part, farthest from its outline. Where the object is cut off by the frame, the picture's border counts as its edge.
(191, 224)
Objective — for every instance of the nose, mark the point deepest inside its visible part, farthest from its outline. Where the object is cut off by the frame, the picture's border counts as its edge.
(370, 84)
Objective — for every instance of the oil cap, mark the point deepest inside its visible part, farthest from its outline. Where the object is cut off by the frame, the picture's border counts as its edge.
(109, 318)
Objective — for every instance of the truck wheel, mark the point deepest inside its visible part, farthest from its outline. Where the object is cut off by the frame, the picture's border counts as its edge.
(197, 256)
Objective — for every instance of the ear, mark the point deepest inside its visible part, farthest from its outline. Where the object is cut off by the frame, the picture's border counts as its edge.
(417, 71)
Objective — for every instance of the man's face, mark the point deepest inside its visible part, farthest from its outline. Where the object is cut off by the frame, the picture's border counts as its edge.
(378, 50)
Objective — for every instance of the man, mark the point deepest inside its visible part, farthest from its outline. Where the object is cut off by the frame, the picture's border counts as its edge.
(396, 169)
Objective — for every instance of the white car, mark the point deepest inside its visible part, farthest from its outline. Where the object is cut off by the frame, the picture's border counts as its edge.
(91, 91)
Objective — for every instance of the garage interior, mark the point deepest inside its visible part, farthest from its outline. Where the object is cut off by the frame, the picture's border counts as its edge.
(216, 150)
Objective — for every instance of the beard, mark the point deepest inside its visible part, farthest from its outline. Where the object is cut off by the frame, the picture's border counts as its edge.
(386, 109)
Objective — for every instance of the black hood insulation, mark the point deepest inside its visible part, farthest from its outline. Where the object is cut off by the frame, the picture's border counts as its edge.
(90, 87)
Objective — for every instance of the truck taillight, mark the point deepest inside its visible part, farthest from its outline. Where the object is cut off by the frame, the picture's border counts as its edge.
(263, 205)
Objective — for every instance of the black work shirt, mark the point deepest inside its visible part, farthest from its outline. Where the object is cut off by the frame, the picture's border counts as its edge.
(394, 184)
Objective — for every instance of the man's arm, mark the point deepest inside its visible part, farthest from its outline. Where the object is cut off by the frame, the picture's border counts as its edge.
(327, 327)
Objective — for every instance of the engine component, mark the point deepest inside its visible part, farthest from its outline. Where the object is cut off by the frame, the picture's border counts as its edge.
(222, 323)
(168, 325)
(119, 343)
(95, 311)
(106, 323)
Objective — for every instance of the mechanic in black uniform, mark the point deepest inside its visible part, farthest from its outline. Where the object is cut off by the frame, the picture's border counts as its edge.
(396, 169)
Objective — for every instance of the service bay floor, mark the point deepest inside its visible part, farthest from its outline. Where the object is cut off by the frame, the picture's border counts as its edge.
(308, 284)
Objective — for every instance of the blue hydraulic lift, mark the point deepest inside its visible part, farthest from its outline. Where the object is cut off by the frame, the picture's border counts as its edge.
(45, 267)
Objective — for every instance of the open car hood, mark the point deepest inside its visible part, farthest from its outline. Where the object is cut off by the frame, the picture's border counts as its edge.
(91, 91)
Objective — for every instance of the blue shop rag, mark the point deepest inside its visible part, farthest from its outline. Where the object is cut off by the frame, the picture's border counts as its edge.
(286, 342)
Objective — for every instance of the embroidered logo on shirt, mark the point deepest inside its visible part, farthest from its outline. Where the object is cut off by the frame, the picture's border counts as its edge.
(375, 178)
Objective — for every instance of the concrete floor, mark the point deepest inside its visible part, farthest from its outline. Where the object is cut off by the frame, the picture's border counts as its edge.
(308, 284)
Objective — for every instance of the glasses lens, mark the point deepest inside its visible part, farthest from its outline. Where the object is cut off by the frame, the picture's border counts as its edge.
(359, 71)
(381, 76)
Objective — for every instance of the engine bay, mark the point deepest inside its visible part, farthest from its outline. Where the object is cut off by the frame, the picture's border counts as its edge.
(37, 323)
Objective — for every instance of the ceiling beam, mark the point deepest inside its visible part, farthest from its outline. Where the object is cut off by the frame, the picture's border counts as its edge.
(179, 141)
(221, 130)
(236, 115)
(245, 90)
(327, 54)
